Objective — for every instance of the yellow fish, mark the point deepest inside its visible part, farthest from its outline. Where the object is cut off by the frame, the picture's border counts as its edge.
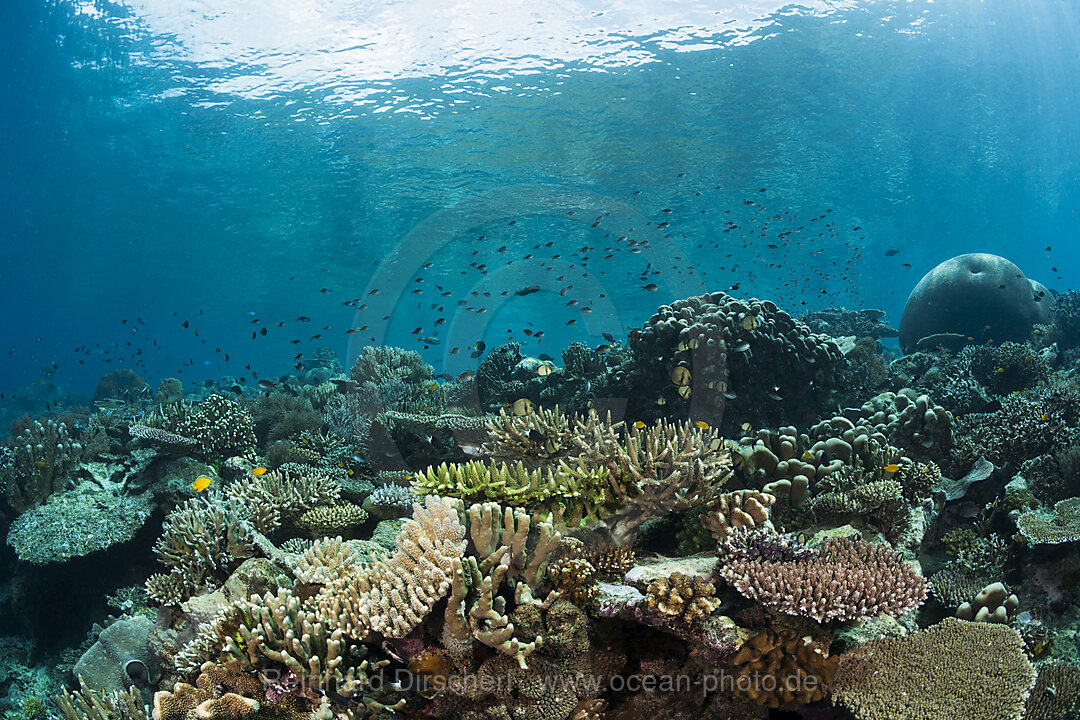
(701, 425)
(892, 467)
(259, 471)
(40, 463)
(639, 424)
(543, 370)
(807, 455)
(523, 406)
(201, 483)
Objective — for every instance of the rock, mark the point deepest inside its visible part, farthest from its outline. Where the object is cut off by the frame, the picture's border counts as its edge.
(975, 295)
(102, 667)
(202, 608)
(648, 569)
(176, 477)
(255, 576)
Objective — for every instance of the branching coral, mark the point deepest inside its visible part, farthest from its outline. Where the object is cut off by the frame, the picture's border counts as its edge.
(290, 490)
(654, 470)
(44, 457)
(955, 669)
(203, 539)
(1056, 694)
(325, 561)
(842, 579)
(536, 438)
(331, 519)
(394, 594)
(219, 427)
(88, 704)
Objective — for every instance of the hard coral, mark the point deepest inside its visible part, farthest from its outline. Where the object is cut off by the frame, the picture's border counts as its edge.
(779, 666)
(955, 669)
(1062, 526)
(842, 579)
(688, 598)
(728, 360)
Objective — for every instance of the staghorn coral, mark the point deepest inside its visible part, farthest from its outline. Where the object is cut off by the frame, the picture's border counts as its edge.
(88, 704)
(1062, 526)
(686, 598)
(331, 519)
(654, 470)
(955, 669)
(569, 493)
(779, 666)
(535, 438)
(290, 490)
(477, 481)
(324, 561)
(842, 579)
(390, 501)
(203, 539)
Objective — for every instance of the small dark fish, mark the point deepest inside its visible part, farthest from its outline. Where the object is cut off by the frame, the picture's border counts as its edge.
(345, 385)
(267, 384)
(303, 318)
(651, 287)
(890, 252)
(262, 331)
(527, 290)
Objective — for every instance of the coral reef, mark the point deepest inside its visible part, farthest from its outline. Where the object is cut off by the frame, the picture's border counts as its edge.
(344, 547)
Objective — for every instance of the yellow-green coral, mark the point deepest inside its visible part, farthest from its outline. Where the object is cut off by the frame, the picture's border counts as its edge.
(570, 493)
(331, 519)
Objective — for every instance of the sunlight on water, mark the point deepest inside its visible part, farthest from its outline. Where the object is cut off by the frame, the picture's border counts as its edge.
(347, 48)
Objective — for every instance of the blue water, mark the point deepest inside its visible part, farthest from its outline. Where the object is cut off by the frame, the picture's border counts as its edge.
(168, 161)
